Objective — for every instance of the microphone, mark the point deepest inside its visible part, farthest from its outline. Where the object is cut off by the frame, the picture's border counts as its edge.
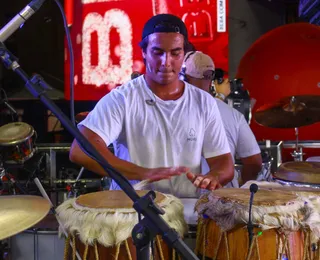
(135, 74)
(20, 19)
(151, 102)
(253, 189)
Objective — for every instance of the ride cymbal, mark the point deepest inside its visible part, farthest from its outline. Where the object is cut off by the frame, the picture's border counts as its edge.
(290, 112)
(20, 212)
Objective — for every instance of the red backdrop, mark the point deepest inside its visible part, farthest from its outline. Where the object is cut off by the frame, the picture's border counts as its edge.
(106, 33)
(284, 62)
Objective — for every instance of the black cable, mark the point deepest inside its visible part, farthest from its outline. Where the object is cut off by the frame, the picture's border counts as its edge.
(65, 24)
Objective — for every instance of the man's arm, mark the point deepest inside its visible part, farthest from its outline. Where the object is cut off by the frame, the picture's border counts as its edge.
(251, 167)
(128, 169)
(221, 172)
(249, 152)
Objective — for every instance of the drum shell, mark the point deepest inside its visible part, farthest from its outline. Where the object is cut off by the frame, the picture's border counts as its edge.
(111, 252)
(238, 243)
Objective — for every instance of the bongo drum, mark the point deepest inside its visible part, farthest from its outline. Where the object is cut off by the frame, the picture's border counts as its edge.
(100, 225)
(299, 174)
(286, 225)
(17, 142)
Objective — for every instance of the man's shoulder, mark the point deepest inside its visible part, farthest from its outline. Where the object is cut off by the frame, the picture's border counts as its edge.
(129, 88)
(200, 93)
(223, 106)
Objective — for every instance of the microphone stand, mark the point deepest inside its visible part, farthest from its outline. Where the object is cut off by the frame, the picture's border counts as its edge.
(152, 224)
(250, 226)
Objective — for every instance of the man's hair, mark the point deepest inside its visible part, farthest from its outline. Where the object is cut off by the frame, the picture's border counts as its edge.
(144, 44)
(164, 23)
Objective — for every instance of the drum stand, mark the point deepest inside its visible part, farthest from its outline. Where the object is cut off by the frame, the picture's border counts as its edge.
(15, 184)
(297, 154)
(152, 223)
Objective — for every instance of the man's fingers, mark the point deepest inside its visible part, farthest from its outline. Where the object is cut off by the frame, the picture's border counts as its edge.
(205, 183)
(197, 181)
(191, 176)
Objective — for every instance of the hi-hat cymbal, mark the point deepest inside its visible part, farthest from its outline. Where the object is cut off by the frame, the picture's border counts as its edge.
(290, 112)
(79, 117)
(17, 213)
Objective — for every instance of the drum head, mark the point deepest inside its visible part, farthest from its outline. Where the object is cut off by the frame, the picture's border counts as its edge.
(300, 172)
(15, 133)
(111, 199)
(261, 198)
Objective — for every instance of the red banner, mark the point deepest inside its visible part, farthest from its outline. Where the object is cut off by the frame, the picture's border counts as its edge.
(106, 33)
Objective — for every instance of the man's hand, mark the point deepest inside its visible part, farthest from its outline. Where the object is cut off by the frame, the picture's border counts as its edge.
(223, 88)
(158, 174)
(209, 182)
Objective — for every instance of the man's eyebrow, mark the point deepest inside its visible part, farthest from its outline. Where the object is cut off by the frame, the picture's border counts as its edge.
(159, 49)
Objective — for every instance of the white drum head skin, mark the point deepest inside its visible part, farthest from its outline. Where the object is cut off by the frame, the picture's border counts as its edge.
(15, 133)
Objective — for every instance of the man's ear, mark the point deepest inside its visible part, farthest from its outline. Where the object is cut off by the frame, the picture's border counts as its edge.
(143, 55)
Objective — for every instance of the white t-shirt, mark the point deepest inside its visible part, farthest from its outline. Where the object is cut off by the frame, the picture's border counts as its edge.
(242, 141)
(165, 134)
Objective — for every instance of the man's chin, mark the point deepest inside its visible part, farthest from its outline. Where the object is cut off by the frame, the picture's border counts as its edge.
(167, 80)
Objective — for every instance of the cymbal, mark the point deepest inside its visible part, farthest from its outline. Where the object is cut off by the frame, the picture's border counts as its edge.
(290, 112)
(20, 212)
(79, 117)
(301, 172)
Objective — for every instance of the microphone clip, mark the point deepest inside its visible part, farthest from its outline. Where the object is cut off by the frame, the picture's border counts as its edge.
(151, 102)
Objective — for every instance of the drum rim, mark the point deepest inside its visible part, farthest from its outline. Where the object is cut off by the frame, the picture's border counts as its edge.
(21, 140)
(295, 183)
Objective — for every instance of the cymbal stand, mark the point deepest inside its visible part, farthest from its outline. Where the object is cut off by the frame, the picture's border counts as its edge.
(74, 188)
(297, 154)
(45, 195)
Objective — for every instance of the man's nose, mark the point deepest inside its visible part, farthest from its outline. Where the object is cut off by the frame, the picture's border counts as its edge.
(166, 58)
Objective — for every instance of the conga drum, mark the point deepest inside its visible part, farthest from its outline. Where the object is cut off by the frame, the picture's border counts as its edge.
(299, 174)
(17, 142)
(99, 225)
(285, 228)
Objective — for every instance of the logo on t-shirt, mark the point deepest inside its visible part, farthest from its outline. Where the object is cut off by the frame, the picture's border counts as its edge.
(192, 135)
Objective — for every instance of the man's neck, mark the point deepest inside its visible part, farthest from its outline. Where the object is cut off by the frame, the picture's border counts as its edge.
(172, 91)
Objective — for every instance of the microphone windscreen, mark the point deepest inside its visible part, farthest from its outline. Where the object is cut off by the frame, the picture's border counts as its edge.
(254, 188)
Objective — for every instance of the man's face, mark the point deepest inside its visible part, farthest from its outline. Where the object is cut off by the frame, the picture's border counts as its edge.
(164, 57)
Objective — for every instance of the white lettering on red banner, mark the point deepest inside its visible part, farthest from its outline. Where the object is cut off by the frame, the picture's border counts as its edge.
(106, 72)
(221, 16)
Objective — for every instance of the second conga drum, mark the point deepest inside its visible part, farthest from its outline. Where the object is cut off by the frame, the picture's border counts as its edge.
(285, 227)
(100, 224)
(299, 174)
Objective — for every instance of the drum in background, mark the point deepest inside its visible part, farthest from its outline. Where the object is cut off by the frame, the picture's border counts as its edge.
(279, 218)
(39, 243)
(17, 142)
(100, 224)
(299, 174)
(264, 174)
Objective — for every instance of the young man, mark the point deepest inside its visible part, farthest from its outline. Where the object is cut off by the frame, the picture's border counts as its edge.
(198, 70)
(159, 125)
